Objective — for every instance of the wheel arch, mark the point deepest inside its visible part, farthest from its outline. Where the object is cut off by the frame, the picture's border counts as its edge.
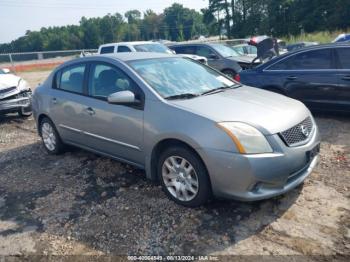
(40, 118)
(164, 144)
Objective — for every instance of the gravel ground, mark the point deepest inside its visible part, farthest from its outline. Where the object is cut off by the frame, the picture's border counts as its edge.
(79, 203)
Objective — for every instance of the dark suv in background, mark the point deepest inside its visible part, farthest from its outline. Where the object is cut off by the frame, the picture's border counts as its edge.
(220, 57)
(319, 76)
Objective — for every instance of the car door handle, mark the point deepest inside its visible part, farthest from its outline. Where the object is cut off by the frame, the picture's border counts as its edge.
(346, 78)
(54, 100)
(291, 78)
(90, 111)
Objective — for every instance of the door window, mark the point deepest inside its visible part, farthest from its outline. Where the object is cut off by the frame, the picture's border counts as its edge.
(106, 80)
(107, 50)
(204, 51)
(312, 60)
(344, 57)
(72, 79)
(123, 49)
(189, 50)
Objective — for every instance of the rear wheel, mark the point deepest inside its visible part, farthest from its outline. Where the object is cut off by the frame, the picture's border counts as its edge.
(184, 177)
(51, 140)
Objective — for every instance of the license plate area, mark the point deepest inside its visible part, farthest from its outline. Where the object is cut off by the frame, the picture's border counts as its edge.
(312, 153)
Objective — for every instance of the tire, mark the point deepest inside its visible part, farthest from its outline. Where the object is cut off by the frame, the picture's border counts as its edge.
(50, 137)
(185, 186)
(25, 112)
(230, 73)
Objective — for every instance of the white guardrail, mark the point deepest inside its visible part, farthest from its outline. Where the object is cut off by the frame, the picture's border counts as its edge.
(24, 61)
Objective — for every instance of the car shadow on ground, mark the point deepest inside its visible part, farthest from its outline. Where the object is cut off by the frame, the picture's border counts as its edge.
(12, 118)
(111, 207)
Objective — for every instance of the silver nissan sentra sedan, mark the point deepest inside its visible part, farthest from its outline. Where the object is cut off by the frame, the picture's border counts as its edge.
(196, 131)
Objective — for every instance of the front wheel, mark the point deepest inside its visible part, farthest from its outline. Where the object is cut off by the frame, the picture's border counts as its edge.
(184, 177)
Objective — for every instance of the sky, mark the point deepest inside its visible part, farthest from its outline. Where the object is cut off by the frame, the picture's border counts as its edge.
(17, 16)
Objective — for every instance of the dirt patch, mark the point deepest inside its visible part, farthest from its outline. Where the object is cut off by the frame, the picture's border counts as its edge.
(34, 78)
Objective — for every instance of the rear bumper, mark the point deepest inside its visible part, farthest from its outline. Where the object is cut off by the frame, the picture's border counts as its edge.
(16, 102)
(260, 176)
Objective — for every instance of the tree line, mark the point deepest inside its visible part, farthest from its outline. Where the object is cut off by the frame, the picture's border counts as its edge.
(176, 23)
(241, 18)
(232, 18)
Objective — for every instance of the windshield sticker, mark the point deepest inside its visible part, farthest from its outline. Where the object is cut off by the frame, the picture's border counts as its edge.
(224, 80)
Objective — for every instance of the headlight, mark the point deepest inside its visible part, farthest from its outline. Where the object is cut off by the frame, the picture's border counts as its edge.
(23, 85)
(248, 139)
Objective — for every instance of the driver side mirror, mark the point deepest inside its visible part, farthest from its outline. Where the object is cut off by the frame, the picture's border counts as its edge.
(123, 98)
(6, 70)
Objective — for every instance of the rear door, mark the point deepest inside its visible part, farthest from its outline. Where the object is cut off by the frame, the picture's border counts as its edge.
(309, 76)
(343, 94)
(67, 102)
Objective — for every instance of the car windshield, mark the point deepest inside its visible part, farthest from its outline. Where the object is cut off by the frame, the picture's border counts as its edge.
(158, 48)
(225, 51)
(179, 76)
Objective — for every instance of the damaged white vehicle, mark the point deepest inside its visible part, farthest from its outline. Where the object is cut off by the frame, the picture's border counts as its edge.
(15, 94)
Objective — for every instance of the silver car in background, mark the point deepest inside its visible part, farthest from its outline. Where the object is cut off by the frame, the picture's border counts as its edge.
(190, 127)
(15, 94)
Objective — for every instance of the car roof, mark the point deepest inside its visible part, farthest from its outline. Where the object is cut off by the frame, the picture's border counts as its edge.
(189, 44)
(303, 49)
(130, 43)
(124, 57)
(240, 45)
(130, 56)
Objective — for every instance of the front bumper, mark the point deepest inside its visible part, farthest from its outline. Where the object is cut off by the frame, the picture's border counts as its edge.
(260, 176)
(16, 102)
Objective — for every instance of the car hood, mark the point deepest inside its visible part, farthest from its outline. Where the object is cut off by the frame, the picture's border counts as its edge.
(271, 113)
(195, 57)
(8, 80)
(243, 59)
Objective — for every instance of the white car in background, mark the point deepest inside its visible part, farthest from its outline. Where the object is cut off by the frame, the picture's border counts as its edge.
(15, 94)
(144, 46)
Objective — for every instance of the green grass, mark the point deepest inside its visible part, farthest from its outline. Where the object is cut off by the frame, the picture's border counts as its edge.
(321, 37)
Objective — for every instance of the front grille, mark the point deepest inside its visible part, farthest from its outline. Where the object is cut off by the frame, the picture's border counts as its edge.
(298, 134)
(7, 90)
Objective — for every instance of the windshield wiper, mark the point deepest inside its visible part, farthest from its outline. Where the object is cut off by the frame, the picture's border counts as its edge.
(221, 88)
(181, 96)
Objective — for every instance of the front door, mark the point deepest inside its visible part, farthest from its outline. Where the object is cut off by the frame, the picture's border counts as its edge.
(116, 130)
(214, 59)
(311, 78)
(343, 74)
